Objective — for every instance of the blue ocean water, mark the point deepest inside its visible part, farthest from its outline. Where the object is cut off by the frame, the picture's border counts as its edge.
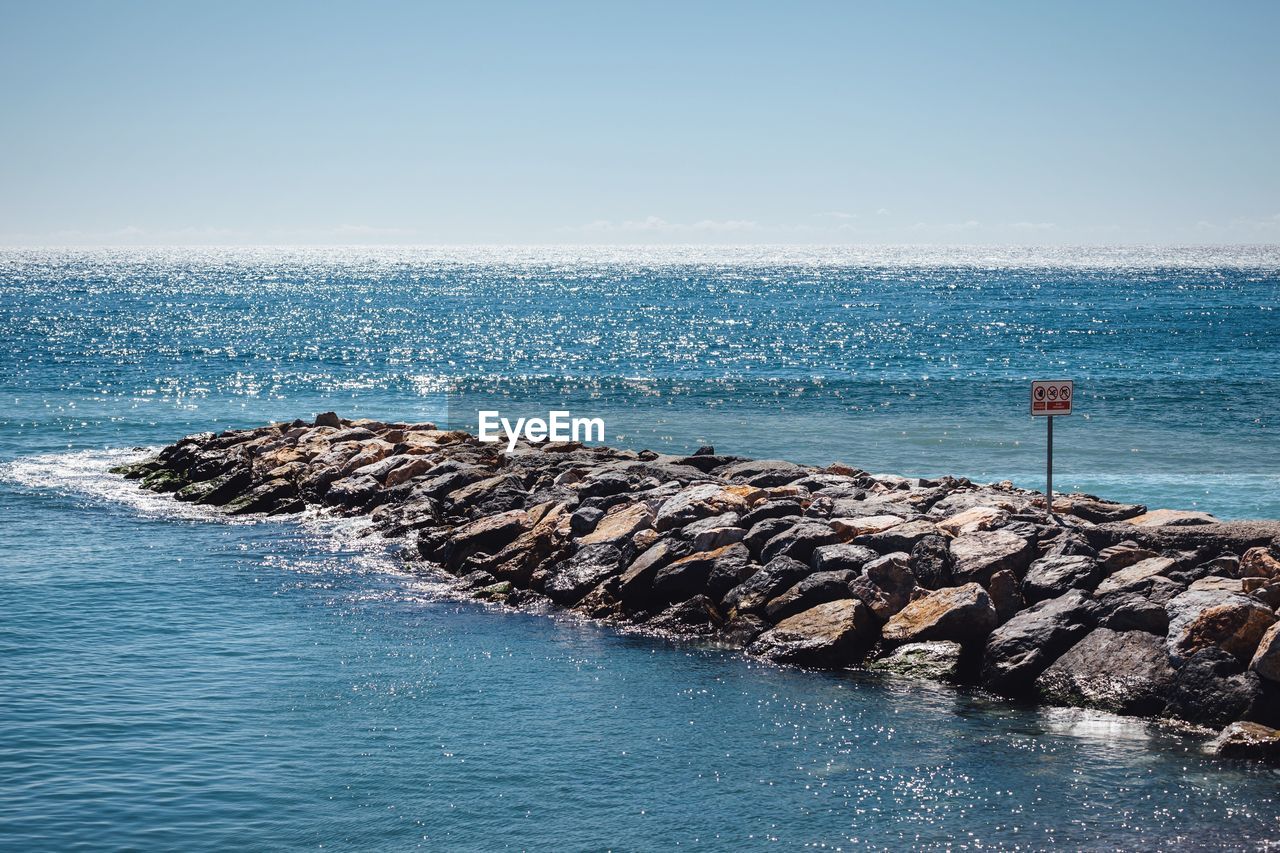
(171, 681)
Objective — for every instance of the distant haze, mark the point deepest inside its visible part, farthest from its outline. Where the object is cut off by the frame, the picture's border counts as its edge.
(647, 123)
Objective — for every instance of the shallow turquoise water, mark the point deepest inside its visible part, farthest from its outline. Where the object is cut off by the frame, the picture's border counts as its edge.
(167, 681)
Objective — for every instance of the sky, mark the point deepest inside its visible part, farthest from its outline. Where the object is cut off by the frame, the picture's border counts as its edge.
(1029, 123)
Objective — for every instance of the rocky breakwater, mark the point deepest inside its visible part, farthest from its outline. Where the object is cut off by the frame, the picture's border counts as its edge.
(1102, 605)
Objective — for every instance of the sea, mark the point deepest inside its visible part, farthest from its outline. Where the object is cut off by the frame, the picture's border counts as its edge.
(172, 680)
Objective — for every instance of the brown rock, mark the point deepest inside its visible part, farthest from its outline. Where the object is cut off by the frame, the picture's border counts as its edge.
(830, 634)
(1259, 563)
(620, 524)
(1171, 517)
(981, 554)
(1247, 740)
(962, 613)
(1266, 660)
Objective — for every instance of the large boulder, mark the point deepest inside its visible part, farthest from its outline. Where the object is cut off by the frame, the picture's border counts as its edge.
(1212, 689)
(1130, 611)
(1230, 621)
(974, 519)
(487, 535)
(768, 583)
(887, 585)
(1171, 518)
(1134, 575)
(619, 525)
(763, 472)
(842, 557)
(771, 509)
(900, 537)
(936, 659)
(573, 578)
(964, 614)
(1266, 660)
(699, 501)
(1259, 563)
(692, 575)
(814, 589)
(1125, 672)
(931, 562)
(979, 555)
(1050, 577)
(1022, 648)
(829, 634)
(635, 587)
(762, 531)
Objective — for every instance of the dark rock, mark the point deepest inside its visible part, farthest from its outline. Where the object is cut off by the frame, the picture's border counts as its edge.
(689, 576)
(1230, 621)
(771, 509)
(1129, 611)
(887, 585)
(901, 537)
(636, 583)
(799, 542)
(1127, 673)
(217, 491)
(1212, 689)
(1247, 740)
(696, 616)
(605, 485)
(701, 501)
(842, 557)
(1005, 595)
(931, 562)
(573, 578)
(487, 535)
(1135, 575)
(743, 628)
(938, 660)
(585, 520)
(1050, 577)
(759, 589)
(1025, 646)
(273, 496)
(831, 634)
(814, 589)
(763, 472)
(762, 531)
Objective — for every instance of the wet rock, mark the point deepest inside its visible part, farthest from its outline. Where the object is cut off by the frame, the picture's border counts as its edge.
(273, 496)
(900, 537)
(762, 531)
(799, 542)
(689, 576)
(636, 583)
(842, 557)
(1247, 740)
(493, 494)
(585, 520)
(573, 578)
(328, 419)
(964, 614)
(931, 562)
(1022, 648)
(887, 585)
(605, 485)
(1123, 672)
(814, 589)
(743, 628)
(760, 588)
(977, 556)
(217, 491)
(695, 502)
(1232, 622)
(486, 535)
(696, 616)
(938, 660)
(1212, 689)
(830, 634)
(1050, 577)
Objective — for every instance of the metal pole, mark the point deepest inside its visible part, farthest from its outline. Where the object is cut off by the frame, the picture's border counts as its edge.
(1048, 474)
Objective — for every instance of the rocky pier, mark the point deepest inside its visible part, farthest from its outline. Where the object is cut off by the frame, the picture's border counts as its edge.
(1103, 605)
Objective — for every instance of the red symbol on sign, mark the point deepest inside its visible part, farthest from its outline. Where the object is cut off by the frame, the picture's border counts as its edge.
(1066, 392)
(1039, 392)
(1053, 392)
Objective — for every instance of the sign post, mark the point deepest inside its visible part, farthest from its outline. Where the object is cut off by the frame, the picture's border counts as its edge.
(1050, 398)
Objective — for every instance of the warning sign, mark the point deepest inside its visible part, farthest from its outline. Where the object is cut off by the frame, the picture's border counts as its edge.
(1051, 396)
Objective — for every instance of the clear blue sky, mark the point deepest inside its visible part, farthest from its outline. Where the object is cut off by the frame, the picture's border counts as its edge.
(649, 122)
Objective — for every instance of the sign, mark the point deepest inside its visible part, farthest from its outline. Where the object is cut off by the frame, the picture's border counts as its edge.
(1051, 397)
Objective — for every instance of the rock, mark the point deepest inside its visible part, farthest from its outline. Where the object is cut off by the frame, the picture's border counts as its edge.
(604, 485)
(1129, 611)
(938, 660)
(602, 602)
(573, 578)
(328, 419)
(814, 589)
(273, 496)
(1259, 563)
(743, 628)
(217, 491)
(1132, 576)
(1123, 555)
(1126, 673)
(799, 542)
(842, 557)
(977, 556)
(691, 575)
(695, 502)
(487, 535)
(697, 616)
(635, 587)
(763, 472)
(619, 525)
(585, 520)
(931, 562)
(830, 634)
(771, 509)
(963, 614)
(1211, 689)
(759, 589)
(1003, 589)
(974, 519)
(1069, 543)
(1100, 512)
(1022, 648)
(1213, 583)
(717, 537)
(1229, 621)
(851, 527)
(900, 537)
(490, 495)
(762, 531)
(887, 585)
(1050, 577)
(1171, 517)
(1247, 740)
(1266, 660)
(415, 466)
